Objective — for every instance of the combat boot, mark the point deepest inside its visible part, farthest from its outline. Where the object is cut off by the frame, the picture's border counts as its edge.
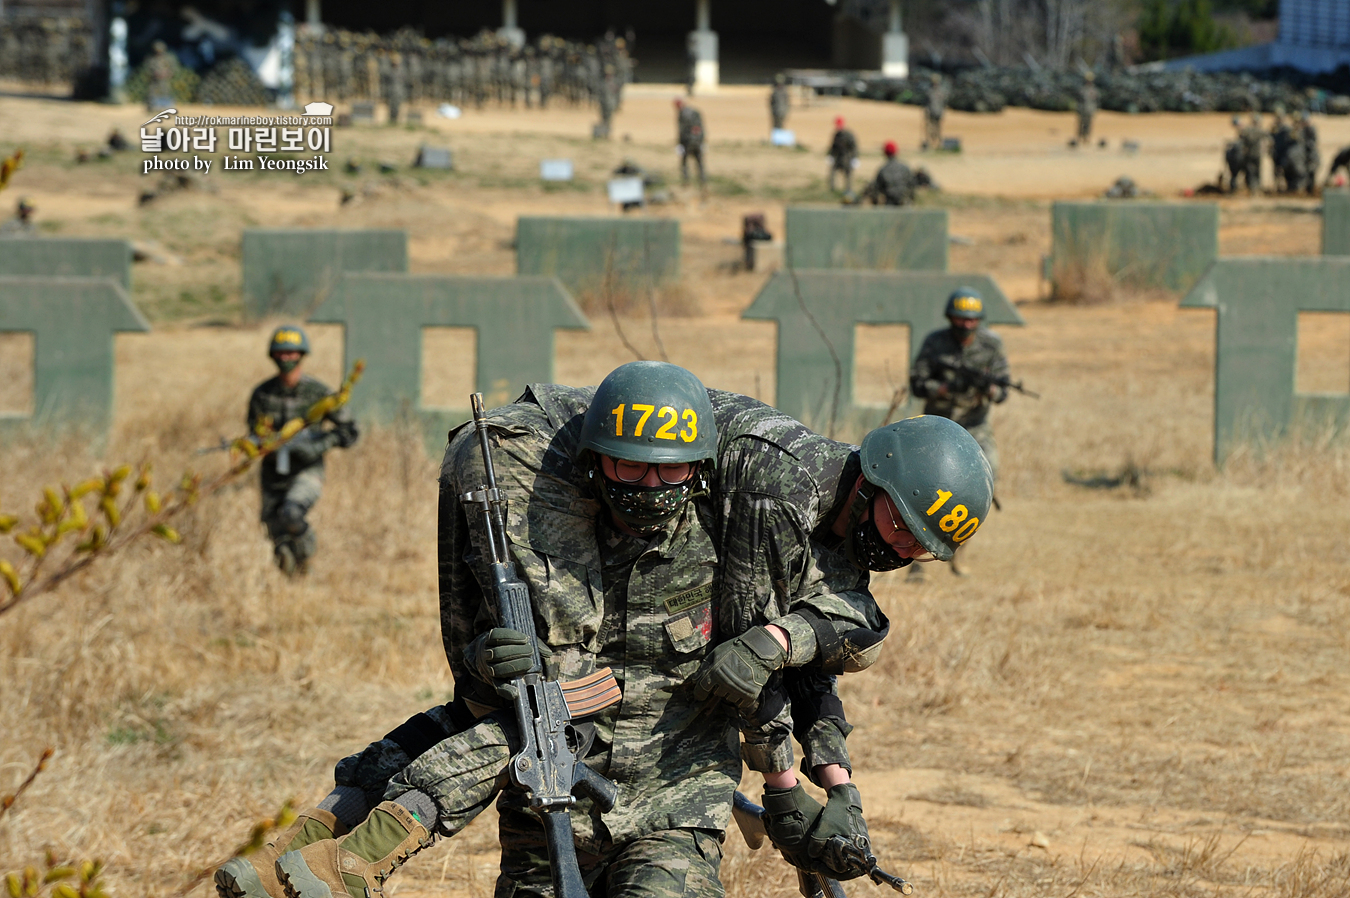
(357, 864)
(254, 875)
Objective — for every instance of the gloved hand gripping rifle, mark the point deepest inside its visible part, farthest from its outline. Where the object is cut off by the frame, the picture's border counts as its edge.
(814, 884)
(546, 768)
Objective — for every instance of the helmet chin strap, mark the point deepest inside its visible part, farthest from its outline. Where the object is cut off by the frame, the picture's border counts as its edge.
(860, 501)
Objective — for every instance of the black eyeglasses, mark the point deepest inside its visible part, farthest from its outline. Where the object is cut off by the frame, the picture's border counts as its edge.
(671, 473)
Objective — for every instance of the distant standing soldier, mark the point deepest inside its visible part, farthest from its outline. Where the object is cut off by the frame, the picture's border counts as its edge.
(608, 99)
(779, 103)
(933, 112)
(843, 154)
(1087, 107)
(394, 88)
(292, 477)
(1281, 141)
(1306, 134)
(21, 225)
(1253, 138)
(159, 93)
(1233, 158)
(894, 182)
(954, 370)
(689, 127)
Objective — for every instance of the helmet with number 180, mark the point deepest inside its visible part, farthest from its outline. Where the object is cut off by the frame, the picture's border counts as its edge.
(936, 475)
(651, 412)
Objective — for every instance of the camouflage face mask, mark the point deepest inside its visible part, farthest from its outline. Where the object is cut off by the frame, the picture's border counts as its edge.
(286, 365)
(646, 509)
(872, 551)
(865, 547)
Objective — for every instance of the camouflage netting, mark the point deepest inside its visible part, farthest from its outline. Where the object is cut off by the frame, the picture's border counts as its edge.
(183, 84)
(44, 51)
(991, 89)
(343, 65)
(232, 83)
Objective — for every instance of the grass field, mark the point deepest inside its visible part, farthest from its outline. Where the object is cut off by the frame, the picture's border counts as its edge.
(1138, 690)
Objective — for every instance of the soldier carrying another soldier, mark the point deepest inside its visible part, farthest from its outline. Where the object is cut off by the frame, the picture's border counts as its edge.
(292, 477)
(734, 554)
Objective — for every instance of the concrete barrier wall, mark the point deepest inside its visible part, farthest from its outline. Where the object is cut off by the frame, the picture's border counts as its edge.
(586, 253)
(291, 272)
(871, 239)
(1142, 245)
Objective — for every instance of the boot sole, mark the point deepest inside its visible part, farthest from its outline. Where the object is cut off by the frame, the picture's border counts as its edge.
(236, 878)
(298, 880)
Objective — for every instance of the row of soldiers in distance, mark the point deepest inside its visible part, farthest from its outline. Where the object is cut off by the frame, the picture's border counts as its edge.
(407, 67)
(1293, 150)
(893, 185)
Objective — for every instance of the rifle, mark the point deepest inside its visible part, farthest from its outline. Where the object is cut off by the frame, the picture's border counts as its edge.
(983, 380)
(750, 818)
(546, 768)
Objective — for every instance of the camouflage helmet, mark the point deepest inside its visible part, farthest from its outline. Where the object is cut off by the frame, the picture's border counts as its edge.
(653, 412)
(288, 338)
(937, 476)
(965, 302)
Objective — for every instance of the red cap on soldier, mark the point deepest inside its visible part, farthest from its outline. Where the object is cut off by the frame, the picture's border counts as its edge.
(890, 149)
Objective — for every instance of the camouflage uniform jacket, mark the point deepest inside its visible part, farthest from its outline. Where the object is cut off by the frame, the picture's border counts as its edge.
(1087, 101)
(843, 148)
(274, 402)
(894, 184)
(689, 124)
(940, 361)
(779, 104)
(651, 612)
(937, 100)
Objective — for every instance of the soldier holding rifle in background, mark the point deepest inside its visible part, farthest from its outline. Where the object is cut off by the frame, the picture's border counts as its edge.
(292, 477)
(959, 372)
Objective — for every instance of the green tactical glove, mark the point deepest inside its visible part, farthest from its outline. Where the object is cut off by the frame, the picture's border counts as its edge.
(839, 839)
(499, 655)
(789, 815)
(736, 671)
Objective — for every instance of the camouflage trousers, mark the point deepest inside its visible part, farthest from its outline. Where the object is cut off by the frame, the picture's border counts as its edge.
(303, 489)
(984, 435)
(465, 771)
(846, 170)
(694, 152)
(672, 863)
(462, 773)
